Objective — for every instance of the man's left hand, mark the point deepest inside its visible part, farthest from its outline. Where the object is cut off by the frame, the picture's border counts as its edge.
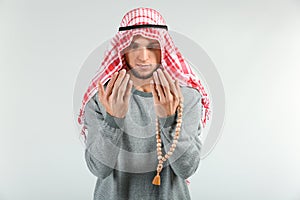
(165, 92)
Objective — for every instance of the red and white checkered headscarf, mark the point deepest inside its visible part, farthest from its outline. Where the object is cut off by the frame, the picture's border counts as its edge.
(172, 60)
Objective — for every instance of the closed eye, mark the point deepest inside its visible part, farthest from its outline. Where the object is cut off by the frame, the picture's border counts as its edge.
(153, 46)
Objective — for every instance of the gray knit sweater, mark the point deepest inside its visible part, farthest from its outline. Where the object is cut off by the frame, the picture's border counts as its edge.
(121, 152)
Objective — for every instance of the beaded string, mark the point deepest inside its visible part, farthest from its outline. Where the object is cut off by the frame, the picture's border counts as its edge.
(161, 159)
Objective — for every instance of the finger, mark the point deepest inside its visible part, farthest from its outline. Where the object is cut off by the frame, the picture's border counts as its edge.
(154, 92)
(164, 84)
(110, 85)
(100, 91)
(128, 91)
(158, 87)
(179, 90)
(171, 83)
(117, 83)
(122, 87)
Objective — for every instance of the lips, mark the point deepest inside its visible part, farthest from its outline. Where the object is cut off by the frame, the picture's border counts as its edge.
(144, 66)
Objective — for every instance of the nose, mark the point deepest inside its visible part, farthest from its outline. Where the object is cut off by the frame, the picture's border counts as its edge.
(143, 54)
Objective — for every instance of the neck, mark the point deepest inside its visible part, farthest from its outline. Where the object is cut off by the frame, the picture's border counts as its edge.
(141, 84)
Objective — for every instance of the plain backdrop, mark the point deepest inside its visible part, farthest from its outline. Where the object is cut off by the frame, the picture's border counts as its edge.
(254, 44)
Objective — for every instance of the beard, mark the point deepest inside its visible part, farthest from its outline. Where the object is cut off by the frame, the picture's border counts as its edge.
(138, 75)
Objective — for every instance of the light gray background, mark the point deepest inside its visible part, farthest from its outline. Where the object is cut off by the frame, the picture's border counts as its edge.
(254, 44)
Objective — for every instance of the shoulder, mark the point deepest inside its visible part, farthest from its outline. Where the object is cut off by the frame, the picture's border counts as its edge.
(94, 103)
(190, 94)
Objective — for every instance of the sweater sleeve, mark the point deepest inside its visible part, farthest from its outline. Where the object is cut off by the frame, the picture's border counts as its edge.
(186, 157)
(103, 139)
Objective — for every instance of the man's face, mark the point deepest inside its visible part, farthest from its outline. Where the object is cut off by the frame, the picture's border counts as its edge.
(143, 57)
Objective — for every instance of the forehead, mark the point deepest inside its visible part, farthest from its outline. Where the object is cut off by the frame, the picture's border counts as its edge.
(143, 41)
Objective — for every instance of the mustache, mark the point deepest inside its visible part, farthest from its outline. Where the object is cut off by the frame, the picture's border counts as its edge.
(151, 64)
(157, 66)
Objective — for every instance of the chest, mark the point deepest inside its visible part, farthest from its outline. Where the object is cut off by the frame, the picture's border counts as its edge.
(139, 126)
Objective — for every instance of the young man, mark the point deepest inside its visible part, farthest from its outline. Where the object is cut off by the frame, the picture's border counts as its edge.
(143, 126)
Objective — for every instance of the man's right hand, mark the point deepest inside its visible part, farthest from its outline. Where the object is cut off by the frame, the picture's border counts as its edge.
(116, 97)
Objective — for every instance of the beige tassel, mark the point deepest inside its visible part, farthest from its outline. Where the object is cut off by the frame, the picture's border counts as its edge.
(156, 180)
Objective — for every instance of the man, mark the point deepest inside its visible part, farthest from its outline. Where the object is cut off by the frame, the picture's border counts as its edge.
(143, 126)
